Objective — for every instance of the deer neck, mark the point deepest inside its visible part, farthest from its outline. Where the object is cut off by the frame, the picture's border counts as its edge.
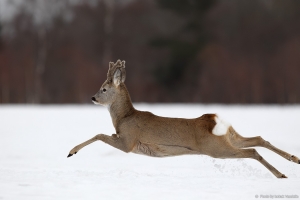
(122, 107)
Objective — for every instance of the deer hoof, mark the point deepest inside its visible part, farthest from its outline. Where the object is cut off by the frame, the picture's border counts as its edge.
(70, 155)
(283, 176)
(295, 159)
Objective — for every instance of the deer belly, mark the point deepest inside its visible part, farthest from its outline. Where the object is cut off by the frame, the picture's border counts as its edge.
(161, 150)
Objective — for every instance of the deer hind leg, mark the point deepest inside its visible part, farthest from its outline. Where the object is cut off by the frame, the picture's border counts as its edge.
(247, 153)
(239, 141)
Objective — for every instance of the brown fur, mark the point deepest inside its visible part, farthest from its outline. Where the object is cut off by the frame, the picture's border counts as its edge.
(145, 133)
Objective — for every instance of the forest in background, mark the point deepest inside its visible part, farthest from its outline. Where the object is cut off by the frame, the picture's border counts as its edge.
(202, 51)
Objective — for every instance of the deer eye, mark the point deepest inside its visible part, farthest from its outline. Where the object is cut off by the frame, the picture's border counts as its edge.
(104, 90)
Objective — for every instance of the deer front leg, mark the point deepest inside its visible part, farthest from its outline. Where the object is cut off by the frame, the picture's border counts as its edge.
(113, 140)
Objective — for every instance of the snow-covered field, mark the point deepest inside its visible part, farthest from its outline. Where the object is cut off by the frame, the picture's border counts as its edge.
(35, 142)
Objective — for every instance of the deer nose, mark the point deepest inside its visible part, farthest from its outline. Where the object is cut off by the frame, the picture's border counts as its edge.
(93, 99)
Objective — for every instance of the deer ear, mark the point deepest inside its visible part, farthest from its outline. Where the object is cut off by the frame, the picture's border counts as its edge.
(123, 71)
(123, 74)
(117, 77)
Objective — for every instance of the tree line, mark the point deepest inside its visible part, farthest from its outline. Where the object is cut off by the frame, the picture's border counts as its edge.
(175, 50)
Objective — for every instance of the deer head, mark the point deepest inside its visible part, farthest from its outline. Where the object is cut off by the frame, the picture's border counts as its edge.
(111, 88)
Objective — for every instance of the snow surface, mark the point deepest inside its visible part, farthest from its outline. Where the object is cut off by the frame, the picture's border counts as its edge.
(35, 142)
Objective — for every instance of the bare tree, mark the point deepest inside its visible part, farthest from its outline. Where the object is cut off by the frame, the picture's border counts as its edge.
(108, 29)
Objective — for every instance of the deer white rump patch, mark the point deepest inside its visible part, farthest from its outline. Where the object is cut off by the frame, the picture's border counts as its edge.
(221, 126)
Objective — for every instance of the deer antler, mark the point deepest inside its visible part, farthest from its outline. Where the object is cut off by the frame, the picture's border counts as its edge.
(114, 66)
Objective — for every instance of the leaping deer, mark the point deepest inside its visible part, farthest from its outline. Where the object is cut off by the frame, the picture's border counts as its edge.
(145, 133)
